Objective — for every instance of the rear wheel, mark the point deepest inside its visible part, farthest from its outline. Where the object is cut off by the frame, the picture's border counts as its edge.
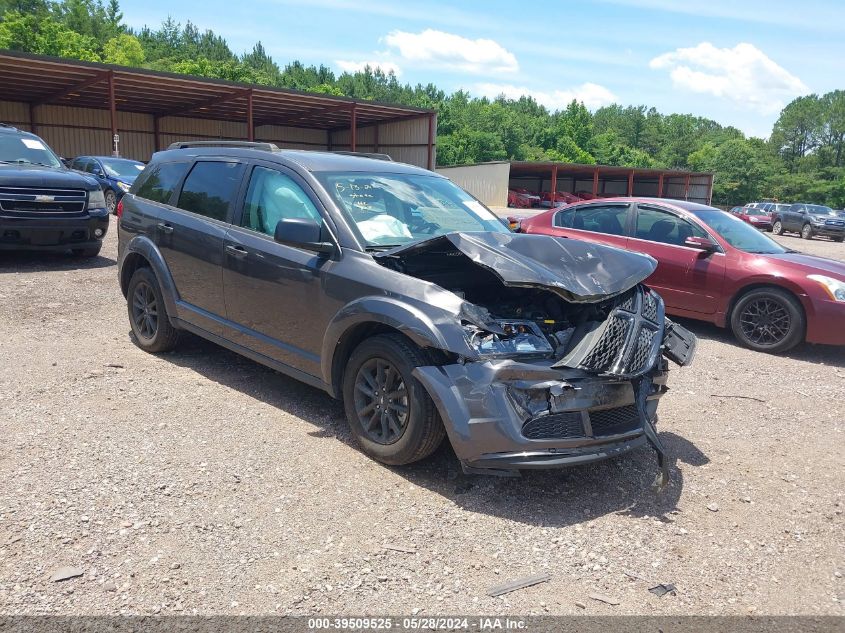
(391, 415)
(838, 239)
(777, 228)
(148, 314)
(768, 320)
(807, 232)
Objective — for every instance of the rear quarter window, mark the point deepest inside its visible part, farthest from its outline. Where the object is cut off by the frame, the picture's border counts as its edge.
(158, 182)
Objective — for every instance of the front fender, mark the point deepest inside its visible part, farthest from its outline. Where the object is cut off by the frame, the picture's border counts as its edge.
(143, 246)
(440, 331)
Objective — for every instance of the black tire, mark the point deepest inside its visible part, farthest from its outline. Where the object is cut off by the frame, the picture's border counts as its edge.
(376, 419)
(111, 200)
(777, 227)
(148, 317)
(838, 239)
(768, 320)
(87, 253)
(807, 232)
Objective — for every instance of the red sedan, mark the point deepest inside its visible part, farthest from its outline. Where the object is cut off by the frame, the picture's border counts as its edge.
(714, 267)
(756, 217)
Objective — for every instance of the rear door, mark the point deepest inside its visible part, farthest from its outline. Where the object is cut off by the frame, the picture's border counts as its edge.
(791, 220)
(190, 237)
(687, 278)
(274, 293)
(605, 223)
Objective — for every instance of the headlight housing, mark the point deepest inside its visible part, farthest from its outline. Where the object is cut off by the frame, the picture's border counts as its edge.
(123, 186)
(835, 288)
(96, 199)
(515, 338)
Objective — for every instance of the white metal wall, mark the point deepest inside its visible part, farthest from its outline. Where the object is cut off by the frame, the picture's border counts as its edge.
(76, 131)
(488, 183)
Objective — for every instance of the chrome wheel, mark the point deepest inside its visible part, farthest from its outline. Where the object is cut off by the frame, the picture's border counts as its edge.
(145, 310)
(111, 201)
(777, 228)
(765, 322)
(381, 401)
(807, 232)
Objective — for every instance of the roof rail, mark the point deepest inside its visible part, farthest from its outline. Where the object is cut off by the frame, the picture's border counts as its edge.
(267, 147)
(375, 155)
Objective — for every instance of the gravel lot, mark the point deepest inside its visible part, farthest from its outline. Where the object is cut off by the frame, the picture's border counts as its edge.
(201, 482)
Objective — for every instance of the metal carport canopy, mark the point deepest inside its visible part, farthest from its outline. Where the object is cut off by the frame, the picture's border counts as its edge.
(39, 80)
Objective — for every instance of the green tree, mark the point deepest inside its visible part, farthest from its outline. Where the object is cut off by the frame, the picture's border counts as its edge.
(124, 50)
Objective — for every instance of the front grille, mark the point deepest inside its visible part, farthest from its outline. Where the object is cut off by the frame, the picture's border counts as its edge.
(650, 307)
(555, 426)
(642, 352)
(31, 202)
(835, 223)
(615, 421)
(605, 353)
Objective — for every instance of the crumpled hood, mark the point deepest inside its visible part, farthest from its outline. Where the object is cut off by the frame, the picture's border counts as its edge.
(579, 272)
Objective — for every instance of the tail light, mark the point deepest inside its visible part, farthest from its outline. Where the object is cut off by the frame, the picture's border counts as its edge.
(118, 211)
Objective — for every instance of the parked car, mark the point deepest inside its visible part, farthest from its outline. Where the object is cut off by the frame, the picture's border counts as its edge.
(388, 286)
(810, 220)
(44, 205)
(115, 175)
(758, 217)
(714, 267)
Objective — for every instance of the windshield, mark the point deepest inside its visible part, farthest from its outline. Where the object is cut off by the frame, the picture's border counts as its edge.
(25, 150)
(755, 211)
(818, 209)
(122, 168)
(393, 209)
(737, 233)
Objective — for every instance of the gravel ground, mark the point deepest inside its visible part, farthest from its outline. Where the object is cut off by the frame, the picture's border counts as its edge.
(201, 482)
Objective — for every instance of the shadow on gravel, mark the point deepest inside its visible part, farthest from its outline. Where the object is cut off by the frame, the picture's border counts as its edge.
(35, 261)
(821, 354)
(552, 497)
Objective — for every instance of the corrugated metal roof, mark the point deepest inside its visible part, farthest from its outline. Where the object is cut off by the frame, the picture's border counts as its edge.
(49, 80)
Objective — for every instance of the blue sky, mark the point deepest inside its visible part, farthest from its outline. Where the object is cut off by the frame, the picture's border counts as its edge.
(738, 62)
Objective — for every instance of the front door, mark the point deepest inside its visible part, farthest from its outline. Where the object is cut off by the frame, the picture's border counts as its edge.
(274, 293)
(688, 279)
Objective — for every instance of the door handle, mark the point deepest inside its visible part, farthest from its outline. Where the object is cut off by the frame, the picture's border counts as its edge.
(165, 228)
(236, 251)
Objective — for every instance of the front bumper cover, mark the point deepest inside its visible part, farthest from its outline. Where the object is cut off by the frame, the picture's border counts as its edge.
(53, 234)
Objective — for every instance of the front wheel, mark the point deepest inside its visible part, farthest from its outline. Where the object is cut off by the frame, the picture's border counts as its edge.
(777, 228)
(838, 239)
(148, 318)
(111, 200)
(807, 232)
(768, 320)
(390, 413)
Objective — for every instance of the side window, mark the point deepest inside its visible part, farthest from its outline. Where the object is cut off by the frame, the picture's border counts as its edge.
(656, 225)
(211, 188)
(157, 182)
(80, 163)
(273, 196)
(90, 166)
(607, 219)
(564, 218)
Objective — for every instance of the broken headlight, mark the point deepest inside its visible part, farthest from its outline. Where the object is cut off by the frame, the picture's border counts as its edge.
(512, 338)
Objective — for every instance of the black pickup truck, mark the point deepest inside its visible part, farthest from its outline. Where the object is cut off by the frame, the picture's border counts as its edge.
(44, 205)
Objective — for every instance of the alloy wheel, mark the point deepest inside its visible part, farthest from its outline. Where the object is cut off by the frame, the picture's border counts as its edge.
(145, 310)
(765, 321)
(777, 229)
(111, 201)
(381, 401)
(807, 232)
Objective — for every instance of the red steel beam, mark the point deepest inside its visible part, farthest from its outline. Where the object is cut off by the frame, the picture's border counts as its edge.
(32, 125)
(61, 94)
(250, 123)
(553, 185)
(113, 114)
(353, 130)
(686, 187)
(430, 141)
(596, 181)
(660, 185)
(231, 96)
(156, 135)
(375, 138)
(631, 184)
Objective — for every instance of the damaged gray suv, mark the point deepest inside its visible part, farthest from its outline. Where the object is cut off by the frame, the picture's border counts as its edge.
(388, 286)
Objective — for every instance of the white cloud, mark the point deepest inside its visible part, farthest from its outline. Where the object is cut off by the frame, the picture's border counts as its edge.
(592, 95)
(742, 74)
(454, 51)
(352, 67)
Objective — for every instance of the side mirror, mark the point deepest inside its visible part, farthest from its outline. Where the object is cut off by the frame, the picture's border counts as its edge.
(701, 243)
(303, 233)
